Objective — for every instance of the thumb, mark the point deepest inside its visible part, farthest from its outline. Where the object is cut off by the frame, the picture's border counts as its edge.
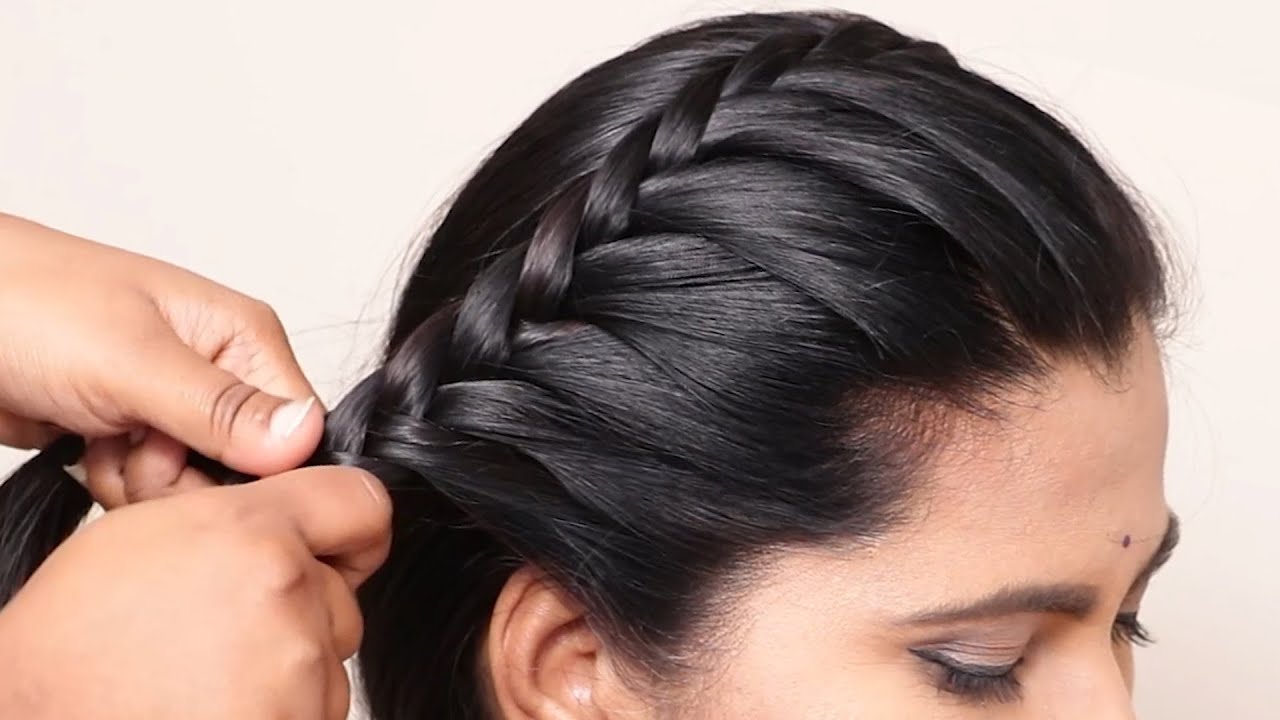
(343, 514)
(217, 414)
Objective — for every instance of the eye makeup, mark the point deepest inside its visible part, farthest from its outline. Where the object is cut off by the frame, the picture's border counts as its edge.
(980, 665)
(979, 683)
(957, 670)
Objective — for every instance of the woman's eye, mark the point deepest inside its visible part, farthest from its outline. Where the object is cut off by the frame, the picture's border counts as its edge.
(979, 684)
(1126, 630)
(987, 684)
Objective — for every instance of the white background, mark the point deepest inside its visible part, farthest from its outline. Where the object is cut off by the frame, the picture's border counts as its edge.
(290, 148)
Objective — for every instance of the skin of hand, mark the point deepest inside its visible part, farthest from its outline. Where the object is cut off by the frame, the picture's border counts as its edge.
(208, 605)
(203, 603)
(144, 359)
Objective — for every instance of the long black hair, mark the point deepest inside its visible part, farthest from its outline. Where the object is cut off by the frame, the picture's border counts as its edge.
(700, 305)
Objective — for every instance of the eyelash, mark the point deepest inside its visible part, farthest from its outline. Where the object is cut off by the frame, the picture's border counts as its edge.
(999, 684)
(1127, 630)
(975, 683)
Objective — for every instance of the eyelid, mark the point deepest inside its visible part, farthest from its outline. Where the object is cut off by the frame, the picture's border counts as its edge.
(981, 646)
(941, 657)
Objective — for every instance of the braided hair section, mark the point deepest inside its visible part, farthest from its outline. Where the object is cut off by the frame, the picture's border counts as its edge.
(473, 425)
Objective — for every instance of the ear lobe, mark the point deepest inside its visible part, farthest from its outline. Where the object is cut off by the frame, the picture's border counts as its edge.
(542, 659)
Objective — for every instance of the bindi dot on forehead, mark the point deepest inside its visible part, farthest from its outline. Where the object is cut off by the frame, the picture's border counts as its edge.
(1126, 542)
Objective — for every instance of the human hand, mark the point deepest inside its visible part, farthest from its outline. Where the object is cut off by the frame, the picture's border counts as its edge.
(209, 605)
(102, 342)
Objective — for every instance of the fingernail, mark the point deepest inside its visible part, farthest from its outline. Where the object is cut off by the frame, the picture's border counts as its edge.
(287, 418)
(372, 484)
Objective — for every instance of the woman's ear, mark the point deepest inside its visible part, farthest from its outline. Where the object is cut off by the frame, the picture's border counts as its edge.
(542, 660)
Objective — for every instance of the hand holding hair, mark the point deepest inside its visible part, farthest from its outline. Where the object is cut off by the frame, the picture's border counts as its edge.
(209, 605)
(102, 343)
(234, 602)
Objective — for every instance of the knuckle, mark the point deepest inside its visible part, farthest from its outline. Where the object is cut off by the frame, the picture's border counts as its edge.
(305, 657)
(139, 487)
(262, 555)
(226, 406)
(278, 571)
(264, 316)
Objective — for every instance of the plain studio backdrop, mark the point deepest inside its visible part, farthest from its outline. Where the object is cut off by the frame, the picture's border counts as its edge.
(291, 149)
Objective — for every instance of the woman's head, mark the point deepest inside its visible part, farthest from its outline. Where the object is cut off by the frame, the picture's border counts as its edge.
(777, 368)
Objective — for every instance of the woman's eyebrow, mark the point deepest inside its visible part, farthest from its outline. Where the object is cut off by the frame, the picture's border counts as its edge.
(1075, 600)
(1060, 599)
(1172, 534)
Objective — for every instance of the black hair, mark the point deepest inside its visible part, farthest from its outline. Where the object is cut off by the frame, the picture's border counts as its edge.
(690, 311)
